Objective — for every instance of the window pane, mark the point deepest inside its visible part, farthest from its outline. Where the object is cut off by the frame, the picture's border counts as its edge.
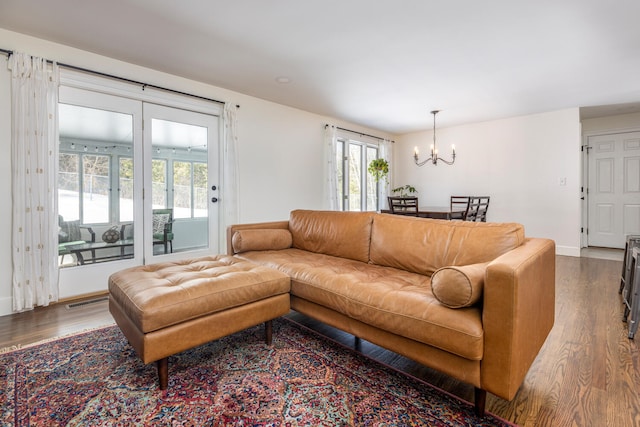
(125, 187)
(355, 177)
(159, 183)
(200, 202)
(69, 187)
(372, 187)
(182, 189)
(90, 167)
(96, 189)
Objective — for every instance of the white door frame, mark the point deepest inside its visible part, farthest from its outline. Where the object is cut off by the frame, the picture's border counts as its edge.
(212, 123)
(89, 279)
(83, 279)
(584, 239)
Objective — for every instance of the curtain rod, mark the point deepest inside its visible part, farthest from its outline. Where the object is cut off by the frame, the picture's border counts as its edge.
(360, 133)
(111, 76)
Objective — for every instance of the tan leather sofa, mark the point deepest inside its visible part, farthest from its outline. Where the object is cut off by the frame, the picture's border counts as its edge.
(472, 300)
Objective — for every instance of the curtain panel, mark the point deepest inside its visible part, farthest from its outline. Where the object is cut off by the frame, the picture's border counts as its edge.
(331, 181)
(34, 151)
(230, 187)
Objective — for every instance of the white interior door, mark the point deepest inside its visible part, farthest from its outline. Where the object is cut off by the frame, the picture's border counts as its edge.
(181, 183)
(614, 188)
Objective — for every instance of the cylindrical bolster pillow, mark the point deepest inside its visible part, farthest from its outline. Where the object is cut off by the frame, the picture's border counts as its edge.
(458, 287)
(261, 240)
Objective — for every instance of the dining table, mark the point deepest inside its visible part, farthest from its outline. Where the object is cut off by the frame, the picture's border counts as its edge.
(436, 212)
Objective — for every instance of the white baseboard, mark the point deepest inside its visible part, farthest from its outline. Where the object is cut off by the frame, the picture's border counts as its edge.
(568, 251)
(6, 306)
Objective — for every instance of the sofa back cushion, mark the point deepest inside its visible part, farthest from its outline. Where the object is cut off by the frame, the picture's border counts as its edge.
(425, 245)
(341, 234)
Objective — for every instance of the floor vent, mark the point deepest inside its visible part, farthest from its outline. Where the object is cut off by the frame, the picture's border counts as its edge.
(87, 302)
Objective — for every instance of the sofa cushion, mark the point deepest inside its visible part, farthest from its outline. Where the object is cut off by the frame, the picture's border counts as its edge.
(341, 234)
(424, 245)
(261, 240)
(458, 287)
(393, 300)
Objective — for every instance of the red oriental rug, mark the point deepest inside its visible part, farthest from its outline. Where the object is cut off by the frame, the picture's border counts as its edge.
(96, 379)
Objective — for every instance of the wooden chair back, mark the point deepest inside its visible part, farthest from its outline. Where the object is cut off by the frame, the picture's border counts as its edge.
(478, 207)
(403, 205)
(459, 206)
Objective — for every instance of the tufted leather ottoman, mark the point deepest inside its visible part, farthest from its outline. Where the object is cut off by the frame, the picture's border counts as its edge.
(166, 308)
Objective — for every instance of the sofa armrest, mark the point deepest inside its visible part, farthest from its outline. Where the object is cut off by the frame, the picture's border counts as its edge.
(518, 314)
(274, 225)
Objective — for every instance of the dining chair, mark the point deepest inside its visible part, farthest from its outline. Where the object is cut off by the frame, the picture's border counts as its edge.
(163, 229)
(70, 233)
(459, 206)
(403, 205)
(478, 207)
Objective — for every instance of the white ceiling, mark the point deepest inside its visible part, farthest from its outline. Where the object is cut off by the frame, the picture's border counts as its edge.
(383, 64)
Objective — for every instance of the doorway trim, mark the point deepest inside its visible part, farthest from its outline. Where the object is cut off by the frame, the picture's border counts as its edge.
(131, 91)
(584, 240)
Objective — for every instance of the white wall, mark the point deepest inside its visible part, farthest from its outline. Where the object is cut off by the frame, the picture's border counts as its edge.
(280, 151)
(519, 162)
(619, 122)
(280, 160)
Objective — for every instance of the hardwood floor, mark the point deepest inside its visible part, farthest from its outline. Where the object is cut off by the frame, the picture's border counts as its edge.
(587, 373)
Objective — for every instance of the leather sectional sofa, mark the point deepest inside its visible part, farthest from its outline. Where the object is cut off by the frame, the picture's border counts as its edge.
(473, 300)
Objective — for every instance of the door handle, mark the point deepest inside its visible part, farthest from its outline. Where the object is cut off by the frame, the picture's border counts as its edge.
(214, 199)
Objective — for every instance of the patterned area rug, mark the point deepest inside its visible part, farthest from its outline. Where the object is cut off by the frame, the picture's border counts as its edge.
(303, 379)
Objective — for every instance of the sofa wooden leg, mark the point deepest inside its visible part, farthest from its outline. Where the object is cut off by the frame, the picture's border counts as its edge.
(163, 373)
(480, 401)
(268, 331)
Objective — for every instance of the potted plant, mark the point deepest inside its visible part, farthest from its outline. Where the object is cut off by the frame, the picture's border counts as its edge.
(379, 169)
(405, 190)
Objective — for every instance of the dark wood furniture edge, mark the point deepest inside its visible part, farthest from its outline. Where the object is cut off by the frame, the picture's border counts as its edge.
(163, 364)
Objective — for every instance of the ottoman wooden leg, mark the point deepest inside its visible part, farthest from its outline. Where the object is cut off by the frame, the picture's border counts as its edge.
(163, 373)
(268, 330)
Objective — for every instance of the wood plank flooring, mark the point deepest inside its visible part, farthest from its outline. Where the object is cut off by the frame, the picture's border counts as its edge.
(587, 373)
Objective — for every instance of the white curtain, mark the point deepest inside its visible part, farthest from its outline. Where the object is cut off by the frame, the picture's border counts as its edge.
(34, 150)
(331, 186)
(230, 186)
(384, 188)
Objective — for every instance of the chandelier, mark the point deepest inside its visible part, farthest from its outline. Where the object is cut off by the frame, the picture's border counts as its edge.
(434, 150)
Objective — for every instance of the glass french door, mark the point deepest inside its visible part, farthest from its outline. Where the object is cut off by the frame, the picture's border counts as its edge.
(129, 196)
(181, 184)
